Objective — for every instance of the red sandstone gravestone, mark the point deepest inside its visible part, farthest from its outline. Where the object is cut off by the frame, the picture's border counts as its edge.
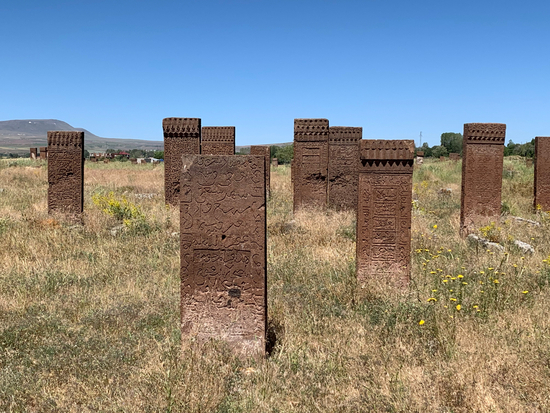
(65, 172)
(223, 250)
(420, 157)
(218, 140)
(384, 211)
(310, 162)
(453, 156)
(34, 152)
(182, 136)
(483, 151)
(44, 152)
(266, 153)
(542, 173)
(343, 165)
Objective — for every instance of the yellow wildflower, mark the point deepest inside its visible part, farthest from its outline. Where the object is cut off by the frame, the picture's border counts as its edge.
(460, 276)
(464, 283)
(458, 307)
(432, 272)
(452, 299)
(495, 281)
(432, 299)
(435, 226)
(421, 322)
(525, 292)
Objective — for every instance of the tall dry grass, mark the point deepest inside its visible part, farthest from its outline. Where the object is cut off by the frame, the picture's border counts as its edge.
(89, 316)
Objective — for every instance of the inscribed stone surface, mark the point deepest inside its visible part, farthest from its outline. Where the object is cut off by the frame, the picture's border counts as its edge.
(310, 162)
(44, 152)
(483, 151)
(182, 136)
(223, 250)
(218, 140)
(384, 211)
(65, 172)
(266, 153)
(542, 172)
(34, 152)
(343, 167)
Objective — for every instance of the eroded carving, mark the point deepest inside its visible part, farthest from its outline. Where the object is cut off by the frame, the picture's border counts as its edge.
(542, 172)
(218, 140)
(266, 153)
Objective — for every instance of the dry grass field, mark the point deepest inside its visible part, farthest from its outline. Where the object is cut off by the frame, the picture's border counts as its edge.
(89, 314)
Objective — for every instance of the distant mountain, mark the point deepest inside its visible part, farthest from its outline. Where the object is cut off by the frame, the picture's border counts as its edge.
(17, 136)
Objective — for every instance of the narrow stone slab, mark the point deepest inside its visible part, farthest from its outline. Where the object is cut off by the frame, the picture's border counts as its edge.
(43, 152)
(310, 162)
(384, 211)
(223, 250)
(182, 136)
(266, 153)
(542, 173)
(65, 172)
(34, 153)
(218, 140)
(483, 153)
(343, 167)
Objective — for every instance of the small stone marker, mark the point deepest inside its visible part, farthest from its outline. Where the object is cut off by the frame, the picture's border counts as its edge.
(453, 156)
(310, 163)
(34, 153)
(274, 162)
(182, 136)
(384, 211)
(441, 158)
(105, 160)
(419, 157)
(218, 140)
(43, 152)
(483, 152)
(542, 173)
(266, 153)
(65, 172)
(343, 167)
(529, 162)
(223, 250)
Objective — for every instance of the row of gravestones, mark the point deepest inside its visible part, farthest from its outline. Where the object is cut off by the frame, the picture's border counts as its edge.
(39, 153)
(222, 201)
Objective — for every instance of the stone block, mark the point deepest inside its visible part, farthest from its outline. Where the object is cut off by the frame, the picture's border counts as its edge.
(218, 140)
(43, 152)
(542, 173)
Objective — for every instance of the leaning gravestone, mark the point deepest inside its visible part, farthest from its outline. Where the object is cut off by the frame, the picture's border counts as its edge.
(43, 152)
(34, 153)
(483, 151)
(266, 153)
(65, 172)
(223, 250)
(542, 173)
(343, 166)
(310, 162)
(218, 140)
(182, 136)
(384, 211)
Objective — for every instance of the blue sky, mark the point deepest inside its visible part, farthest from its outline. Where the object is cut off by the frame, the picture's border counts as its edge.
(394, 67)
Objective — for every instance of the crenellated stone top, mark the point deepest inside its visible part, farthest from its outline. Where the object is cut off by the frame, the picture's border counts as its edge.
(65, 139)
(222, 134)
(181, 127)
(311, 130)
(379, 149)
(345, 134)
(485, 133)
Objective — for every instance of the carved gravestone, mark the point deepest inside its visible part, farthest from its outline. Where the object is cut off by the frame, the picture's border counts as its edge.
(343, 167)
(384, 211)
(266, 153)
(182, 136)
(223, 250)
(529, 162)
(65, 172)
(441, 158)
(310, 162)
(542, 172)
(453, 156)
(420, 157)
(44, 152)
(34, 153)
(274, 162)
(218, 140)
(483, 151)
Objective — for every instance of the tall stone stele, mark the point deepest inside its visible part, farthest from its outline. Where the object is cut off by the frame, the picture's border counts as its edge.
(43, 152)
(182, 136)
(310, 163)
(34, 153)
(65, 172)
(343, 167)
(218, 140)
(223, 250)
(264, 151)
(483, 153)
(542, 173)
(384, 212)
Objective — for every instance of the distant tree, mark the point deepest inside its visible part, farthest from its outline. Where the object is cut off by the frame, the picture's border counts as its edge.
(111, 151)
(86, 154)
(438, 151)
(284, 154)
(452, 142)
(158, 154)
(427, 150)
(136, 153)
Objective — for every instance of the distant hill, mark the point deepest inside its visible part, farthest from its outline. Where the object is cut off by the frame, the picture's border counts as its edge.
(17, 136)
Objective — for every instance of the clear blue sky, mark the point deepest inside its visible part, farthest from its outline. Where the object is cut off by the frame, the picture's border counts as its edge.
(394, 67)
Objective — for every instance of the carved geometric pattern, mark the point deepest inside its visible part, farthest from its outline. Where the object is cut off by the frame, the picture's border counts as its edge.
(542, 172)
(218, 140)
(223, 250)
(266, 153)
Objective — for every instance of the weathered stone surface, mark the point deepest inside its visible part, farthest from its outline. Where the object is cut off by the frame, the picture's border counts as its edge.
(483, 151)
(453, 156)
(182, 136)
(218, 140)
(266, 153)
(65, 172)
(542, 172)
(343, 167)
(485, 243)
(223, 250)
(310, 162)
(524, 247)
(34, 153)
(420, 157)
(44, 152)
(384, 211)
(274, 162)
(528, 162)
(442, 158)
